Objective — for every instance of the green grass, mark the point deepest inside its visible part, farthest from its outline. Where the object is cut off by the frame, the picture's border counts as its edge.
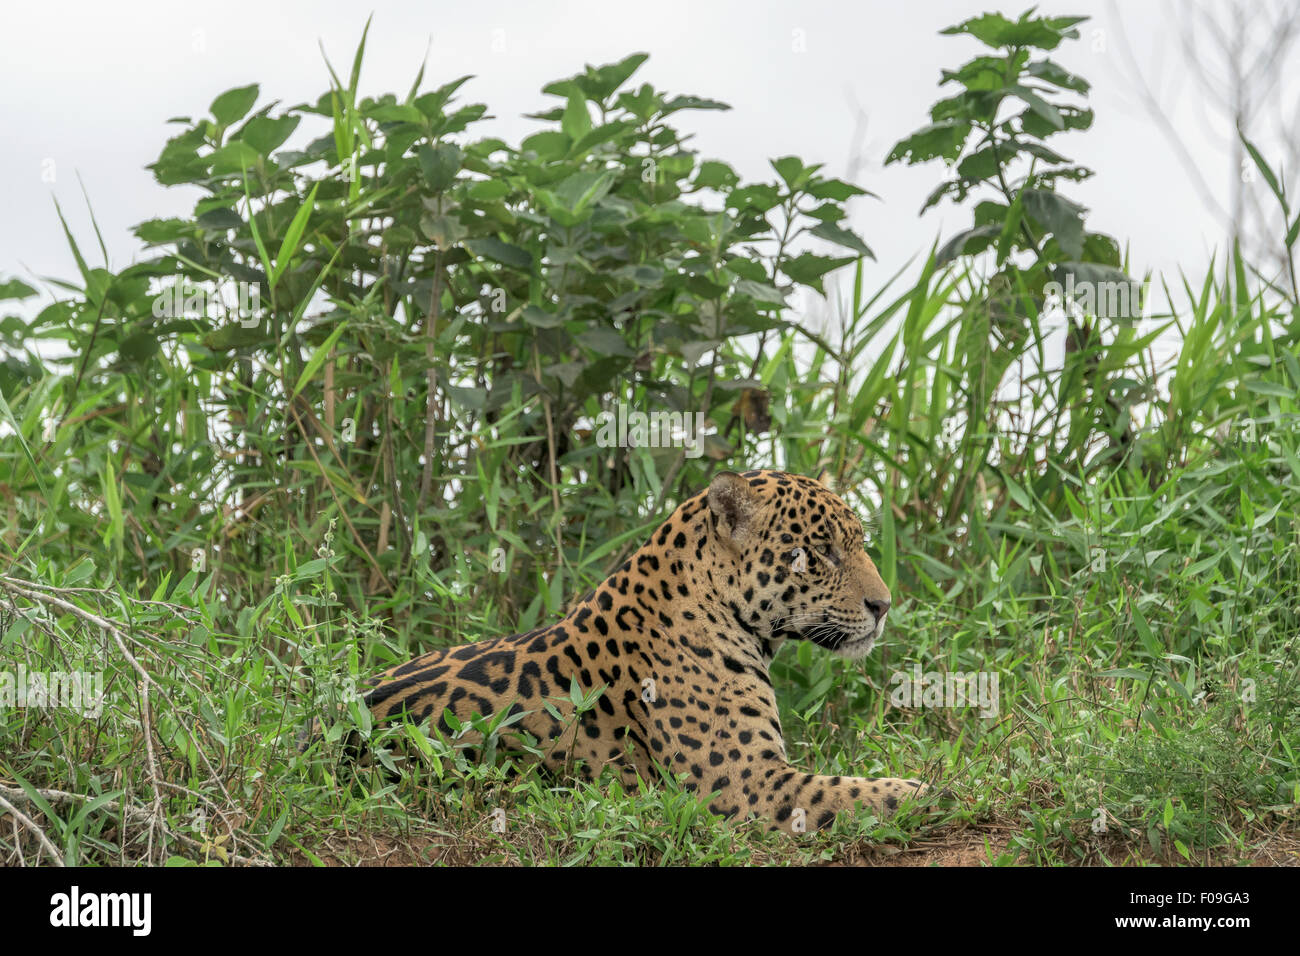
(1138, 622)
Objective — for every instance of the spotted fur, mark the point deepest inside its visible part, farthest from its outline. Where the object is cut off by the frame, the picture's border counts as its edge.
(681, 637)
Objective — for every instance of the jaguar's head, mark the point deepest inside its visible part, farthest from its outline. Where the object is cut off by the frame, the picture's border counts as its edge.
(795, 565)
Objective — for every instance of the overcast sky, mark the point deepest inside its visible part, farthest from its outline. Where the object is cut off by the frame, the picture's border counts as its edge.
(86, 89)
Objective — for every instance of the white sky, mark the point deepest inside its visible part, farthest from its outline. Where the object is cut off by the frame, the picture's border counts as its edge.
(88, 86)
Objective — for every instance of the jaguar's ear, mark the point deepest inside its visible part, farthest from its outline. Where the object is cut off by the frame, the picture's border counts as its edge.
(734, 504)
(824, 479)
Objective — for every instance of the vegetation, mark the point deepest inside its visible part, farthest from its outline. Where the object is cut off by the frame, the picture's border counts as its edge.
(235, 502)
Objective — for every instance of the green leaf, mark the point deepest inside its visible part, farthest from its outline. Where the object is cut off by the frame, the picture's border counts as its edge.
(577, 121)
(493, 248)
(289, 245)
(986, 73)
(397, 113)
(22, 443)
(233, 105)
(715, 175)
(431, 104)
(1040, 106)
(583, 188)
(760, 197)
(235, 157)
(603, 82)
(318, 358)
(159, 231)
(468, 397)
(943, 139)
(967, 242)
(440, 164)
(1061, 217)
(791, 170)
(598, 135)
(760, 292)
(1144, 633)
(1269, 177)
(980, 165)
(938, 193)
(692, 103)
(1050, 72)
(489, 190)
(549, 145)
(265, 134)
(840, 236)
(445, 231)
(16, 289)
(808, 269)
(232, 336)
(138, 347)
(1040, 151)
(995, 30)
(219, 220)
(1276, 389)
(603, 341)
(1037, 125)
(566, 372)
(642, 104)
(835, 189)
(538, 318)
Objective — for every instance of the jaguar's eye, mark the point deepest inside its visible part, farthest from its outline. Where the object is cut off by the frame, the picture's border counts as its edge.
(823, 549)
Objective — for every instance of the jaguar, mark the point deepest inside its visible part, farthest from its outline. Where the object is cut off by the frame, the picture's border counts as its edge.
(675, 647)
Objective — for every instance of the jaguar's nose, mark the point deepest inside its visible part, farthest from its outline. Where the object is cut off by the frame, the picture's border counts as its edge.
(877, 608)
